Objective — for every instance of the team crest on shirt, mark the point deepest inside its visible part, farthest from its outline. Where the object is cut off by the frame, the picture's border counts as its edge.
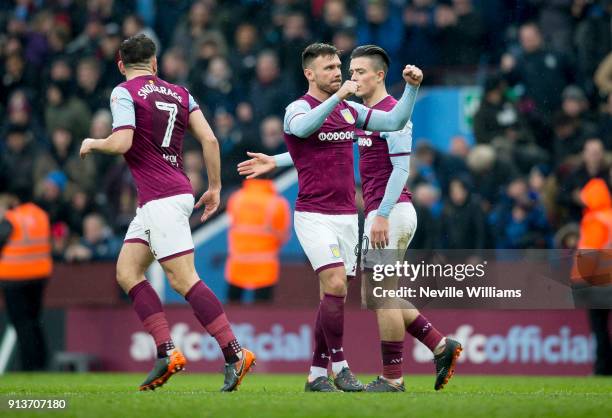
(347, 115)
(335, 250)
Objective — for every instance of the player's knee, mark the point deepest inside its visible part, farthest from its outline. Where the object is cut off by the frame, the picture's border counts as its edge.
(180, 283)
(125, 277)
(336, 286)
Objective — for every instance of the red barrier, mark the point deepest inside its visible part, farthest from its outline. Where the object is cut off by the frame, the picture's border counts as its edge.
(495, 342)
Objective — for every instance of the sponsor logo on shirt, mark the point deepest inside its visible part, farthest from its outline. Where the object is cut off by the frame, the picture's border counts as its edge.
(364, 142)
(171, 159)
(336, 136)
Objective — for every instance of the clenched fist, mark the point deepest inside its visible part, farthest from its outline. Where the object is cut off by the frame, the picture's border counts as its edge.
(348, 89)
(413, 75)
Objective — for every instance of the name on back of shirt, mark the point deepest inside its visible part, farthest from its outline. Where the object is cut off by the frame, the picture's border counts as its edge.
(145, 90)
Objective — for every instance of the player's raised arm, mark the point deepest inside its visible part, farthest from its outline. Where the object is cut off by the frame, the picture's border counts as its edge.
(302, 121)
(261, 164)
(120, 141)
(396, 119)
(202, 131)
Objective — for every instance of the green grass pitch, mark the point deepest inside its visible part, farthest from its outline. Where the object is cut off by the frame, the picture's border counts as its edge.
(270, 396)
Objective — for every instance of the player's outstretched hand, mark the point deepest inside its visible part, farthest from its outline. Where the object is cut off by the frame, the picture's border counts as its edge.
(258, 165)
(413, 75)
(210, 200)
(349, 87)
(86, 147)
(379, 234)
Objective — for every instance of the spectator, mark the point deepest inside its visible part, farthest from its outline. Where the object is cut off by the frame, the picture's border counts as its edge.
(196, 25)
(119, 189)
(109, 47)
(17, 159)
(518, 220)
(295, 37)
(593, 165)
(568, 141)
(382, 26)
(495, 113)
(63, 157)
(14, 77)
(134, 25)
(87, 42)
(459, 147)
(543, 73)
(49, 195)
(89, 88)
(576, 105)
(21, 113)
(460, 33)
(335, 19)
(345, 42)
(605, 123)
(215, 88)
(232, 144)
(462, 223)
(490, 173)
(603, 76)
(593, 42)
(556, 19)
(79, 205)
(567, 237)
(435, 167)
(244, 55)
(272, 136)
(268, 91)
(420, 35)
(174, 67)
(65, 111)
(97, 244)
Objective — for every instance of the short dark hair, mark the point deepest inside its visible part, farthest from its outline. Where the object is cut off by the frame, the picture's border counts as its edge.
(315, 50)
(379, 55)
(136, 49)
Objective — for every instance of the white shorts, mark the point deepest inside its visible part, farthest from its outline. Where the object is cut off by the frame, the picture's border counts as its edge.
(163, 225)
(402, 226)
(328, 240)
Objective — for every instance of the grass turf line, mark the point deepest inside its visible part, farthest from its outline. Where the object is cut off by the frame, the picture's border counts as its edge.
(271, 396)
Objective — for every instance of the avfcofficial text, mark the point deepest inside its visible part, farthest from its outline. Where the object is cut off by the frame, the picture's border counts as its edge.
(150, 88)
(336, 136)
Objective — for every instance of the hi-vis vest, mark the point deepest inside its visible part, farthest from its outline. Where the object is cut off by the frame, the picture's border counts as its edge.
(593, 263)
(258, 228)
(27, 253)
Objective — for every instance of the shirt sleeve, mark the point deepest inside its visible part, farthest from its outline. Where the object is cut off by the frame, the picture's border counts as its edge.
(193, 105)
(283, 160)
(302, 121)
(396, 119)
(122, 108)
(400, 146)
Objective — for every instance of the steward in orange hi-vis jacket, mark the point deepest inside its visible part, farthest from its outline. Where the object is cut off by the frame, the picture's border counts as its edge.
(25, 266)
(259, 226)
(593, 265)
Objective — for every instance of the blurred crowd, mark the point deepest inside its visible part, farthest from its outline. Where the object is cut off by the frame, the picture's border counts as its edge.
(542, 128)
